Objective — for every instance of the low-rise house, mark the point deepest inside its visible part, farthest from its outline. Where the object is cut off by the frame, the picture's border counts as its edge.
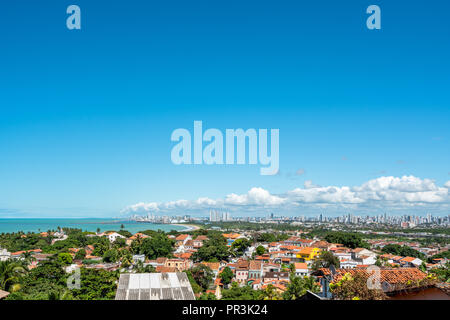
(323, 245)
(359, 252)
(241, 273)
(89, 249)
(214, 266)
(164, 269)
(274, 276)
(136, 236)
(189, 245)
(41, 256)
(19, 254)
(366, 260)
(440, 261)
(264, 258)
(256, 284)
(411, 262)
(271, 267)
(4, 254)
(198, 242)
(348, 264)
(342, 253)
(58, 236)
(396, 259)
(301, 269)
(113, 236)
(255, 269)
(182, 239)
(138, 258)
(299, 242)
(273, 246)
(91, 257)
(308, 253)
(388, 257)
(184, 255)
(250, 251)
(178, 264)
(104, 266)
(231, 237)
(279, 286)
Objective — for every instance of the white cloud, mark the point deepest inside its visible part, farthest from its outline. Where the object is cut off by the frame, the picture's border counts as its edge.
(384, 192)
(256, 196)
(308, 184)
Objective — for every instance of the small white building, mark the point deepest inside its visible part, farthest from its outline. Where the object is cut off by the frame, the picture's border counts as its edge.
(343, 255)
(249, 251)
(411, 262)
(71, 268)
(113, 236)
(359, 252)
(366, 260)
(348, 264)
(301, 269)
(139, 257)
(4, 254)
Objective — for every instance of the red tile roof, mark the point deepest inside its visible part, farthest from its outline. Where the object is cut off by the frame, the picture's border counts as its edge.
(391, 276)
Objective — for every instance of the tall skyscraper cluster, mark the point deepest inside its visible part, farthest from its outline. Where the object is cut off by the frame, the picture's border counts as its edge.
(216, 216)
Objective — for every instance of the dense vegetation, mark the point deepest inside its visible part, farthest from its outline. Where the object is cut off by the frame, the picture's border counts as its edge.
(325, 260)
(49, 281)
(213, 250)
(349, 240)
(404, 251)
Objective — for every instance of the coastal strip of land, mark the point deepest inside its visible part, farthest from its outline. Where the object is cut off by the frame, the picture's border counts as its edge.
(189, 227)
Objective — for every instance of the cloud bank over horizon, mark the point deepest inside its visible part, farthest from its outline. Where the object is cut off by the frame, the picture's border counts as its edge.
(386, 193)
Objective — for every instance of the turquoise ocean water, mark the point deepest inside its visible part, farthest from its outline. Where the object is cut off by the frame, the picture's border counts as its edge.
(40, 225)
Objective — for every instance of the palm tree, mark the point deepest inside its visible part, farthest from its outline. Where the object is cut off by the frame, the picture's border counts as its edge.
(126, 258)
(10, 272)
(63, 294)
(27, 257)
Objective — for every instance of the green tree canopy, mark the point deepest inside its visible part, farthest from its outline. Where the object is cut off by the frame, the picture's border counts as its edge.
(226, 276)
(405, 251)
(298, 287)
(325, 260)
(65, 258)
(213, 250)
(348, 239)
(10, 274)
(260, 250)
(202, 275)
(112, 255)
(157, 246)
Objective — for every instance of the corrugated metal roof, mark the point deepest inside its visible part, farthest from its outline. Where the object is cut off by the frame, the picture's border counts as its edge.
(154, 286)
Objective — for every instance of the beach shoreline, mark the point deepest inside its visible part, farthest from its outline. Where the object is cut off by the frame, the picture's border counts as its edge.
(189, 227)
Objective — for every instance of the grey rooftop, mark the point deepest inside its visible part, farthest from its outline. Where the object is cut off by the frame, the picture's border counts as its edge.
(154, 286)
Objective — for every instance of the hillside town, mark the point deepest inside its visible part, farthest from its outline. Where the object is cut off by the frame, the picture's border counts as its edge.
(227, 264)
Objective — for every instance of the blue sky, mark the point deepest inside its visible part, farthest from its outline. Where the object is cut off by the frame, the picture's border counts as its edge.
(86, 115)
